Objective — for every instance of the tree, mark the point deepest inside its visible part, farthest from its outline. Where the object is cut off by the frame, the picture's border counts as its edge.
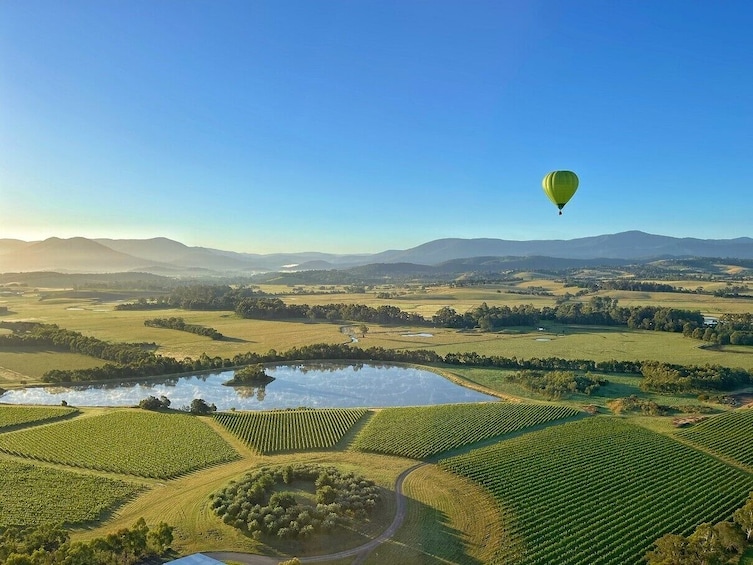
(199, 406)
(160, 538)
(705, 546)
(743, 517)
(364, 329)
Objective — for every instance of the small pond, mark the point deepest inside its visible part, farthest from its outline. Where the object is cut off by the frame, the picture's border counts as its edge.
(313, 385)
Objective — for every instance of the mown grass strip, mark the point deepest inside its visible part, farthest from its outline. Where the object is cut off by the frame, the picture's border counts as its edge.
(33, 494)
(729, 434)
(12, 417)
(601, 490)
(420, 432)
(133, 442)
(288, 430)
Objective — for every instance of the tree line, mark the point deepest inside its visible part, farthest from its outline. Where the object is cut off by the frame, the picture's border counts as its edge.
(179, 324)
(135, 361)
(250, 303)
(50, 544)
(729, 329)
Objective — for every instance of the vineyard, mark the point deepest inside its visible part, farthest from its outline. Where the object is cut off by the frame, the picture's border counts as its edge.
(729, 434)
(286, 430)
(132, 442)
(15, 416)
(425, 431)
(33, 494)
(600, 490)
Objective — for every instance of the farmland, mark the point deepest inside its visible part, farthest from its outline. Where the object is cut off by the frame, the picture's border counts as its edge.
(290, 430)
(529, 480)
(17, 416)
(728, 435)
(27, 489)
(620, 486)
(435, 429)
(124, 443)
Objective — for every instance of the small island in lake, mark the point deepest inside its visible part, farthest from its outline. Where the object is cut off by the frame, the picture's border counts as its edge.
(251, 375)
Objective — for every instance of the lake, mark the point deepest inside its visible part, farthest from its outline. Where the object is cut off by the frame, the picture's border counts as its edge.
(313, 385)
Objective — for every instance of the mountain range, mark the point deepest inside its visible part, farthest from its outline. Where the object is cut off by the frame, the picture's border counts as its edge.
(171, 258)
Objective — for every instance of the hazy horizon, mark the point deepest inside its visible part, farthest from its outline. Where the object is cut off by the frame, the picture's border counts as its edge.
(342, 127)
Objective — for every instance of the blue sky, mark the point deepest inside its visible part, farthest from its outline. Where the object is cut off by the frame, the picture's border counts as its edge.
(360, 126)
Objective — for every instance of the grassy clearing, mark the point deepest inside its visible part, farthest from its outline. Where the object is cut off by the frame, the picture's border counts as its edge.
(30, 363)
(420, 432)
(618, 386)
(602, 344)
(197, 528)
(34, 494)
(17, 416)
(601, 490)
(447, 521)
(132, 442)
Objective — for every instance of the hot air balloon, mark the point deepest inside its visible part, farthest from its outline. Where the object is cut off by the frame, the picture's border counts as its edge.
(560, 186)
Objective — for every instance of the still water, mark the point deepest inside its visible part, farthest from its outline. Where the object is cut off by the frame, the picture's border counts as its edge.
(313, 385)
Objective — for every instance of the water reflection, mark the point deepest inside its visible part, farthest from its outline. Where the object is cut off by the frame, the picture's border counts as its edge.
(314, 385)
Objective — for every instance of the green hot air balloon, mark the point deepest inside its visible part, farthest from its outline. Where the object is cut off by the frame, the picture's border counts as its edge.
(560, 186)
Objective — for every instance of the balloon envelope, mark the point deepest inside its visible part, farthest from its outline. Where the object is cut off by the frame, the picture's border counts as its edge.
(560, 186)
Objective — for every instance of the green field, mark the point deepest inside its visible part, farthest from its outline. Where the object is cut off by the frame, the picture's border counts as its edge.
(28, 364)
(35, 494)
(729, 435)
(419, 432)
(134, 442)
(17, 416)
(291, 430)
(600, 490)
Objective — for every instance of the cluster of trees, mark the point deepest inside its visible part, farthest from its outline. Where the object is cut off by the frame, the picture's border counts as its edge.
(154, 403)
(603, 311)
(730, 329)
(50, 545)
(622, 284)
(733, 291)
(50, 335)
(257, 505)
(250, 375)
(174, 323)
(195, 297)
(557, 384)
(667, 377)
(198, 406)
(266, 308)
(709, 544)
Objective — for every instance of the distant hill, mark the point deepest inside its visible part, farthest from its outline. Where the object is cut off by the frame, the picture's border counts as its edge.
(171, 258)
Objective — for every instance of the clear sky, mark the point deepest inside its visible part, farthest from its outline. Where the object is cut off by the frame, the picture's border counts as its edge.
(360, 125)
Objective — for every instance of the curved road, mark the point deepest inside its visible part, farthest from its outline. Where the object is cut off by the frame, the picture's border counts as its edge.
(361, 551)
